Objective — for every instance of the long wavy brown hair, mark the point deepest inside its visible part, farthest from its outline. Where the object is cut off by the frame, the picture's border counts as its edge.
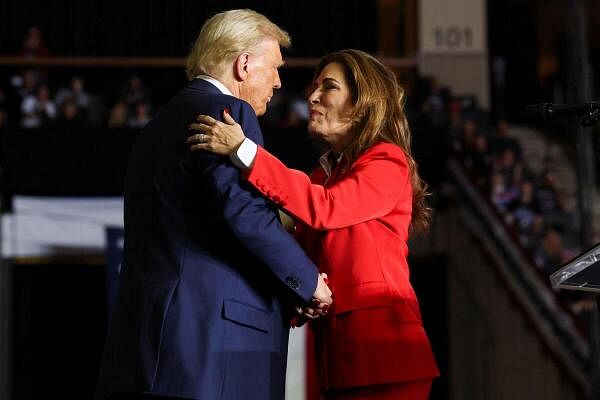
(378, 115)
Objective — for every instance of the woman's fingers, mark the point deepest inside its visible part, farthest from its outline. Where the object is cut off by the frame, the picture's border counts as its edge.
(199, 127)
(196, 138)
(206, 119)
(228, 118)
(215, 136)
(199, 138)
(200, 146)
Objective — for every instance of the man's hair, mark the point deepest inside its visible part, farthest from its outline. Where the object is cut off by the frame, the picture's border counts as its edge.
(225, 36)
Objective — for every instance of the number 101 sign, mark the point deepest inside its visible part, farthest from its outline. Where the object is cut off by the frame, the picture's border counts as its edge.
(455, 26)
(453, 38)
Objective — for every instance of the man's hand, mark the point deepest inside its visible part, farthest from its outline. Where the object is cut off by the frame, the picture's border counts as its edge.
(319, 304)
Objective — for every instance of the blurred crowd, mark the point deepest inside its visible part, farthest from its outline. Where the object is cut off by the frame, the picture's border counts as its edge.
(533, 206)
(39, 101)
(34, 98)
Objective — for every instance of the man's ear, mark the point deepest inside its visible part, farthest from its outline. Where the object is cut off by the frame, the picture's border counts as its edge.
(240, 67)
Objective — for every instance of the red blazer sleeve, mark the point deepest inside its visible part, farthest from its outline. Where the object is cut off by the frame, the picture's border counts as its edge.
(370, 189)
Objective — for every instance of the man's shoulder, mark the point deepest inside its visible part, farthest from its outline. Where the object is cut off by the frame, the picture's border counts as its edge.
(194, 100)
(215, 103)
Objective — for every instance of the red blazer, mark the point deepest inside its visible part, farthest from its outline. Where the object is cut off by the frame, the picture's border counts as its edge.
(355, 227)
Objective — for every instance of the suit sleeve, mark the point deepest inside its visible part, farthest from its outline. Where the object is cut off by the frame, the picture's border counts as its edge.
(251, 219)
(372, 187)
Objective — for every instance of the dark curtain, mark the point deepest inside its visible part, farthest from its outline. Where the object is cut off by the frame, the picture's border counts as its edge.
(168, 28)
(65, 162)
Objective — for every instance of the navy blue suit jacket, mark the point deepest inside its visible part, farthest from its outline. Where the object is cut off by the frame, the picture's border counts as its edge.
(208, 274)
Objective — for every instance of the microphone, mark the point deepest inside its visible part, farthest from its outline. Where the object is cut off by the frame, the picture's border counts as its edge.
(548, 111)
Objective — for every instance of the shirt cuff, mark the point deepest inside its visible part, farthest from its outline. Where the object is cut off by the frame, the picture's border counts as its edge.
(244, 156)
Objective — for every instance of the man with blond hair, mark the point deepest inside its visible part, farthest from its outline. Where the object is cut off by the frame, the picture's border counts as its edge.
(209, 276)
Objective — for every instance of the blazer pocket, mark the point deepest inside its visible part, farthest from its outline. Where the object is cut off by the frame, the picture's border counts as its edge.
(360, 296)
(247, 315)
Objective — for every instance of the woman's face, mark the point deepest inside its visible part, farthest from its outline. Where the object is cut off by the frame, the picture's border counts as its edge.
(330, 107)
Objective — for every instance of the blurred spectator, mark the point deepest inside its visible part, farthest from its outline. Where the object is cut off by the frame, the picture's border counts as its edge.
(502, 195)
(70, 115)
(546, 193)
(480, 161)
(550, 255)
(33, 44)
(436, 103)
(522, 210)
(507, 165)
(26, 84)
(502, 140)
(563, 217)
(468, 137)
(532, 236)
(37, 110)
(135, 92)
(74, 92)
(141, 117)
(118, 115)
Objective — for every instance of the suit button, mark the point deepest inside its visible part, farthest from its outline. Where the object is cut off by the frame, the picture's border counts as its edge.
(292, 282)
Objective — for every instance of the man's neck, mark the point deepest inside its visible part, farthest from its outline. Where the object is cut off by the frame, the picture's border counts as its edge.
(223, 85)
(230, 84)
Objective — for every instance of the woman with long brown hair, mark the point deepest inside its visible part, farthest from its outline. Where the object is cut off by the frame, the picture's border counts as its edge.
(354, 215)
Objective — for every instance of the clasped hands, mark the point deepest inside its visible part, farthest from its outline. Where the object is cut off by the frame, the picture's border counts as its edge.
(319, 306)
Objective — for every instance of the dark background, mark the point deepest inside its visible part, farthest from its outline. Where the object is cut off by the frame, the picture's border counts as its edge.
(168, 28)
